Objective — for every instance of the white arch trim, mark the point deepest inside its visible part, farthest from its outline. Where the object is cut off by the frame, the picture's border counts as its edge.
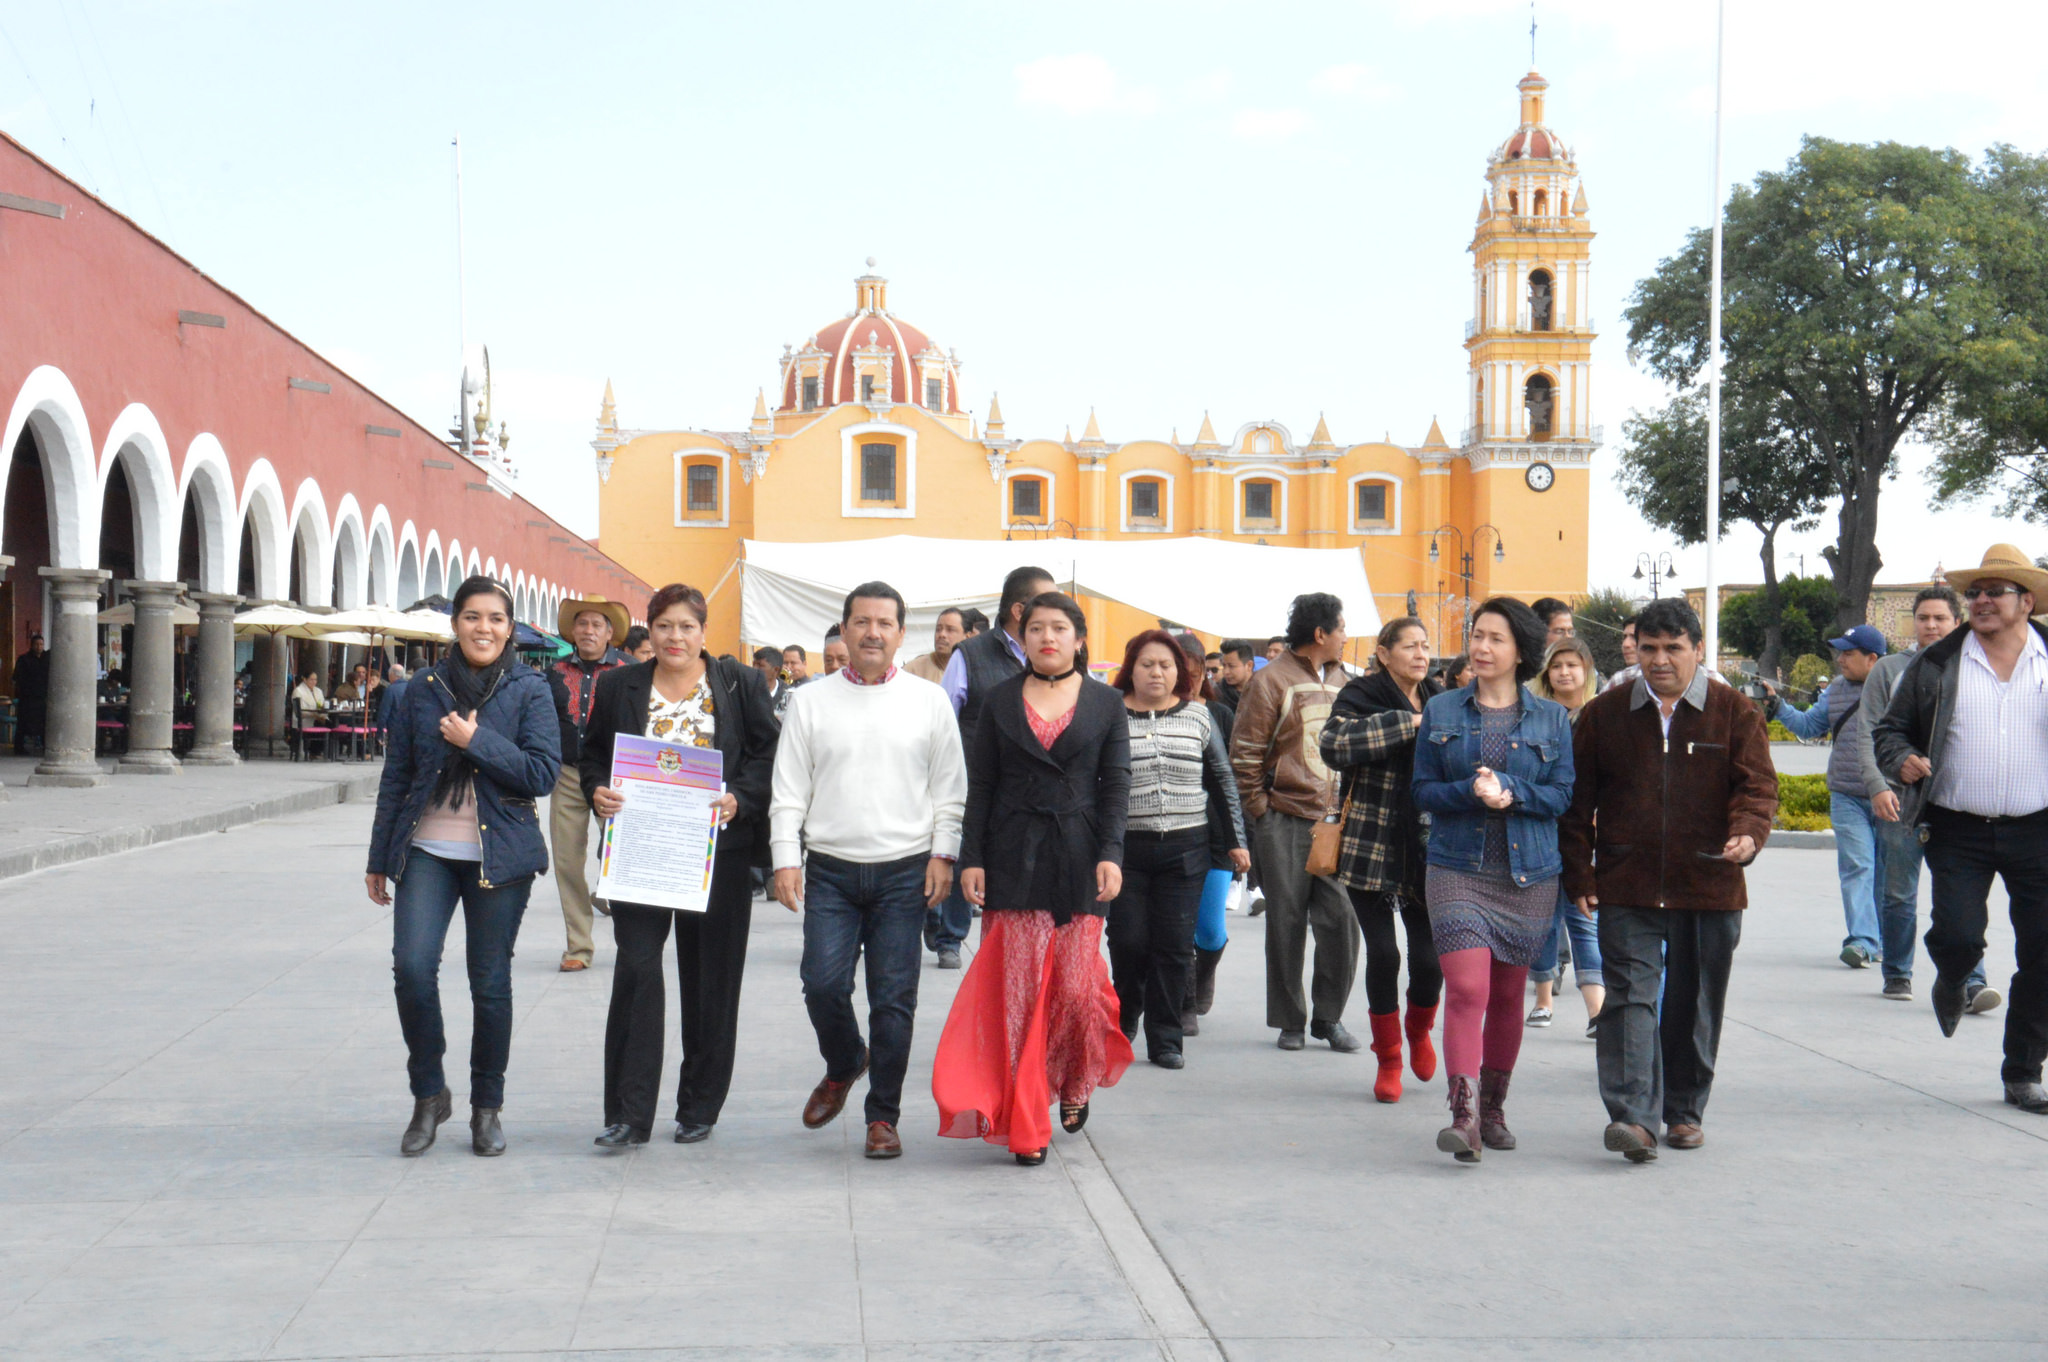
(351, 559)
(383, 558)
(137, 443)
(312, 537)
(208, 476)
(49, 403)
(263, 510)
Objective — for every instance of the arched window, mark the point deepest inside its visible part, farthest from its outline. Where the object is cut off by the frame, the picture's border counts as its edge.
(1538, 397)
(1514, 203)
(1539, 300)
(1542, 202)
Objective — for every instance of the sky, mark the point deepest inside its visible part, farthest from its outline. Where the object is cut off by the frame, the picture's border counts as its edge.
(1145, 208)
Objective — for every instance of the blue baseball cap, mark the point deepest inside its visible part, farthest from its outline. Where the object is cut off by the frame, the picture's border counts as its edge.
(1864, 637)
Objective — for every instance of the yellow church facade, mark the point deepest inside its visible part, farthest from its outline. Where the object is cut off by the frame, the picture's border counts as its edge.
(864, 434)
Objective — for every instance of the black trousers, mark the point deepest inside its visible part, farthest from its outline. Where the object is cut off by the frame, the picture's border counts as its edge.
(1376, 911)
(1152, 930)
(1963, 853)
(1654, 1066)
(711, 955)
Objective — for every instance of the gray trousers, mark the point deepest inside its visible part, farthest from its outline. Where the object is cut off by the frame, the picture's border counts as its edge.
(1656, 1066)
(1296, 904)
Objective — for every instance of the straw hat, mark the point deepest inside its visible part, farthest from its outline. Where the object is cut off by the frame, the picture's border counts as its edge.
(2005, 563)
(615, 611)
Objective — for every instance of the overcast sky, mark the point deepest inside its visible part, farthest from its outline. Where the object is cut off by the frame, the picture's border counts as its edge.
(1154, 209)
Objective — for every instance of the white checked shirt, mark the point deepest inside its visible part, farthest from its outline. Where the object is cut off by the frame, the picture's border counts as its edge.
(1995, 762)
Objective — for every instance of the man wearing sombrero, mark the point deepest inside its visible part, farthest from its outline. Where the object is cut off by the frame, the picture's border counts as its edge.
(1967, 736)
(593, 624)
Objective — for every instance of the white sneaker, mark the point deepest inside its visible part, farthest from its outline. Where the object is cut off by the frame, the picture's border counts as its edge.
(1539, 1016)
(1984, 1000)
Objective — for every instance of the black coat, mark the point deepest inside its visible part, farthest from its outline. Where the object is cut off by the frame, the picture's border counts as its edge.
(1037, 822)
(747, 732)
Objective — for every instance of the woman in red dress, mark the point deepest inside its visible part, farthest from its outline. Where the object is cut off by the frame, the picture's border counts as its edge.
(1041, 852)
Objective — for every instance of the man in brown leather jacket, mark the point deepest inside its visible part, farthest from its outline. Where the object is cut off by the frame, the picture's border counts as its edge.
(1675, 794)
(1276, 754)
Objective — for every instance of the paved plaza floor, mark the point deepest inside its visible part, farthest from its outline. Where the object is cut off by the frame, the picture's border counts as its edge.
(202, 1087)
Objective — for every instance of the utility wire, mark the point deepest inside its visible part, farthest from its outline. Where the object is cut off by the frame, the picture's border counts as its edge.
(135, 139)
(92, 181)
(92, 108)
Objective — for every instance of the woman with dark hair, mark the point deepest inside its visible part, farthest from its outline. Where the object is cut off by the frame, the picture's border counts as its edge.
(1493, 769)
(1571, 678)
(473, 743)
(1179, 772)
(1042, 849)
(1370, 737)
(1212, 919)
(1454, 673)
(686, 697)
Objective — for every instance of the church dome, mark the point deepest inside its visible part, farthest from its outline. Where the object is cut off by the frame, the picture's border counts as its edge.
(1533, 141)
(913, 360)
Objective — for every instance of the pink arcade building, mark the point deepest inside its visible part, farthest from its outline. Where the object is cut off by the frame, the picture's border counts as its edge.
(165, 442)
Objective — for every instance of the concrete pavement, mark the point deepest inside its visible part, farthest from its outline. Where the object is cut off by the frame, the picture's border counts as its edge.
(202, 1090)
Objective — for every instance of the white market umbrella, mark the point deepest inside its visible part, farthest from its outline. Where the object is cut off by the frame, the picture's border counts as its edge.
(272, 620)
(433, 625)
(383, 619)
(181, 614)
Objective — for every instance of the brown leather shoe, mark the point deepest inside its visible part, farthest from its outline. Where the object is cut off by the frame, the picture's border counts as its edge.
(882, 1141)
(1684, 1136)
(828, 1099)
(1634, 1143)
(570, 964)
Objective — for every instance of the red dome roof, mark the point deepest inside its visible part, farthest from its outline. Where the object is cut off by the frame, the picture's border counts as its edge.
(841, 338)
(1539, 144)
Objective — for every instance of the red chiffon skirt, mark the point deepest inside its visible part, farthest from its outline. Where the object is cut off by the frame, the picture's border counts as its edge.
(1035, 1021)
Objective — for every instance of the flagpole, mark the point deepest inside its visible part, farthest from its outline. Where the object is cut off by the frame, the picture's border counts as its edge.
(1713, 592)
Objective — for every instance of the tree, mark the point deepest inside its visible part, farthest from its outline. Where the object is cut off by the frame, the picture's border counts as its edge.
(1994, 437)
(1806, 620)
(1865, 286)
(1597, 618)
(1771, 476)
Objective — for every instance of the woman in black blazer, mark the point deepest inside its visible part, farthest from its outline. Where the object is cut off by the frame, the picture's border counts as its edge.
(1041, 852)
(687, 697)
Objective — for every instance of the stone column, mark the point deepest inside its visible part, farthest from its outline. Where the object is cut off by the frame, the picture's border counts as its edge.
(213, 722)
(69, 728)
(150, 682)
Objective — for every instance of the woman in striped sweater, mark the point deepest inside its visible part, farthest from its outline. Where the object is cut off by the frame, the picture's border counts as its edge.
(1178, 769)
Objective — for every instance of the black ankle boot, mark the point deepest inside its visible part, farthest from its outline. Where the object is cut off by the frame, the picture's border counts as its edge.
(486, 1136)
(427, 1115)
(1205, 978)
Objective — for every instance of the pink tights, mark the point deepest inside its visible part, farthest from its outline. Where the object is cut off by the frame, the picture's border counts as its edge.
(1482, 1011)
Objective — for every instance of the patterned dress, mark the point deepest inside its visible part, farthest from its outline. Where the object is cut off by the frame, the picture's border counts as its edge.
(1488, 909)
(689, 722)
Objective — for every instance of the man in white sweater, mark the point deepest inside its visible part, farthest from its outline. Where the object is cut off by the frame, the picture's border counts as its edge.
(870, 781)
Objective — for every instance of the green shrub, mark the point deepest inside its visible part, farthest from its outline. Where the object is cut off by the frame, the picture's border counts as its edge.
(1780, 733)
(1810, 673)
(1803, 803)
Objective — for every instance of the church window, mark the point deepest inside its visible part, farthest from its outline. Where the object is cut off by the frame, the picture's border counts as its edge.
(935, 394)
(1514, 203)
(1539, 300)
(1542, 202)
(1258, 501)
(1027, 499)
(1262, 443)
(1372, 503)
(1145, 499)
(867, 387)
(1538, 397)
(810, 394)
(703, 488)
(878, 472)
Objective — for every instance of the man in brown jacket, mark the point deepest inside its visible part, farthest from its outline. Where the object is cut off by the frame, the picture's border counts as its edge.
(1675, 794)
(1276, 753)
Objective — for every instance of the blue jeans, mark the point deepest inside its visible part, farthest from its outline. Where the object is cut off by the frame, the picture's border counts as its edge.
(950, 922)
(421, 909)
(851, 907)
(1585, 947)
(1859, 859)
(1898, 911)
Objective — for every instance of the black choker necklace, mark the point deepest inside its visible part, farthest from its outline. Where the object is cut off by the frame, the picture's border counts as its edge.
(1038, 675)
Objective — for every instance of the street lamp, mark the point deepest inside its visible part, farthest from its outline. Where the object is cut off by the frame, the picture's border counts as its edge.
(1500, 554)
(1660, 570)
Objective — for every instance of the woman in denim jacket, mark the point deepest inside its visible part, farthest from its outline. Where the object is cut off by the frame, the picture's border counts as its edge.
(1493, 768)
(472, 745)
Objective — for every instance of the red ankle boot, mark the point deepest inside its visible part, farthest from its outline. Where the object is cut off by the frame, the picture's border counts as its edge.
(1421, 1020)
(1386, 1043)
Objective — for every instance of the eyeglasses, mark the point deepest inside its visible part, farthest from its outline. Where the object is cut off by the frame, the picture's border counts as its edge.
(1972, 593)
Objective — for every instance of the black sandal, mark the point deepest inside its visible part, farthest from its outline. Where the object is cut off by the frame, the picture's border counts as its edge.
(1032, 1160)
(1073, 1118)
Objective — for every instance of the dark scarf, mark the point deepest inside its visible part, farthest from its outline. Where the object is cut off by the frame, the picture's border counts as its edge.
(471, 687)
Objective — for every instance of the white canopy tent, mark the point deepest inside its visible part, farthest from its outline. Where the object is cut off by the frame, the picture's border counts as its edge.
(792, 593)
